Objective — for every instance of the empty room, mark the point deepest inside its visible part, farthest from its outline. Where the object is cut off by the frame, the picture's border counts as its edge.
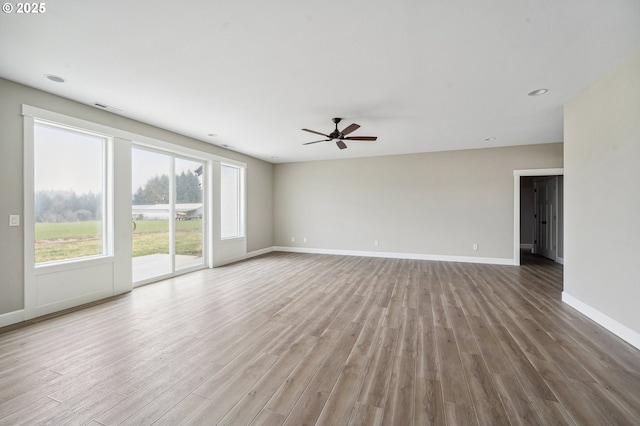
(331, 213)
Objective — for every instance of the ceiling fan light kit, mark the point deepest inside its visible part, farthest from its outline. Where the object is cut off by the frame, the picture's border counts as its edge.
(341, 136)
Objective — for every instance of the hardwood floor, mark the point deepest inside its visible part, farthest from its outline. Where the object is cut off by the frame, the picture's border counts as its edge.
(315, 339)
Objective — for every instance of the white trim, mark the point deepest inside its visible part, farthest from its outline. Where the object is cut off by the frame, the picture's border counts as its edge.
(43, 114)
(122, 264)
(12, 318)
(560, 260)
(71, 264)
(622, 331)
(212, 196)
(168, 276)
(207, 242)
(74, 302)
(259, 252)
(516, 203)
(395, 255)
(241, 198)
(230, 250)
(245, 256)
(32, 271)
(526, 246)
(231, 260)
(539, 172)
(172, 212)
(28, 207)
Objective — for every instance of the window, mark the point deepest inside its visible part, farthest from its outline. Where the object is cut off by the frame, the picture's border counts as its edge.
(70, 169)
(231, 211)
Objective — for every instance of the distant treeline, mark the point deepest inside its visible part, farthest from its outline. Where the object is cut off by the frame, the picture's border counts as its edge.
(52, 206)
(156, 190)
(67, 206)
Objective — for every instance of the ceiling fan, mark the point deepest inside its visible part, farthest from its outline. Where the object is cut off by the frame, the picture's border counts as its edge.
(341, 136)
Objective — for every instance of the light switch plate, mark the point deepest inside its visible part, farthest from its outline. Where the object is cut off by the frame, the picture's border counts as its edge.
(14, 220)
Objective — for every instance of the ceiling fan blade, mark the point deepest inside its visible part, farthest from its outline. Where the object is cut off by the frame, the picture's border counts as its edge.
(350, 128)
(317, 133)
(323, 140)
(341, 144)
(362, 138)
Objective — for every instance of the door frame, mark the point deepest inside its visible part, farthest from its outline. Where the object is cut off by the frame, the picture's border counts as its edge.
(517, 174)
(206, 209)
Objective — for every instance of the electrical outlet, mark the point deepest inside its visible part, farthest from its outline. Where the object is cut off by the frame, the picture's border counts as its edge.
(475, 247)
(293, 239)
(304, 240)
(376, 243)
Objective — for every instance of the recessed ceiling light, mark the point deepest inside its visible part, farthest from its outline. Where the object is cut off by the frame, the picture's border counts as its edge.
(489, 139)
(538, 92)
(55, 78)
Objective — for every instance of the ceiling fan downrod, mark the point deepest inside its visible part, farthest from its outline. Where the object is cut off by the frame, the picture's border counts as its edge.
(336, 133)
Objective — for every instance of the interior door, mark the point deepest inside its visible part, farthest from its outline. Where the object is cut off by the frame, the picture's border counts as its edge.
(546, 200)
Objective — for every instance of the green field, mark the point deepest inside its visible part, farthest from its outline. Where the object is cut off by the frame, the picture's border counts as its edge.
(57, 241)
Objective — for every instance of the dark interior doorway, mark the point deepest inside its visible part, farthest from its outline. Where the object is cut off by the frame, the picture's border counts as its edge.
(541, 217)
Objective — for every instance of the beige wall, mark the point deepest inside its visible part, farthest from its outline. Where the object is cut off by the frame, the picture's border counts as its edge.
(259, 204)
(12, 96)
(602, 195)
(432, 204)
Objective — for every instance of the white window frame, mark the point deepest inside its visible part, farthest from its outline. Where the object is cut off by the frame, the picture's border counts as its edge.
(107, 191)
(241, 201)
(54, 286)
(118, 265)
(206, 204)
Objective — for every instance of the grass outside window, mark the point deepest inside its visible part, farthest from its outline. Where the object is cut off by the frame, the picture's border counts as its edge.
(66, 240)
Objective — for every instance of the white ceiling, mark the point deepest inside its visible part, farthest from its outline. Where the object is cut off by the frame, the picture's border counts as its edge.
(422, 75)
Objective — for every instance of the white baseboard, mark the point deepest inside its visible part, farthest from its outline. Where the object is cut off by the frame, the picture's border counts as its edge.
(12, 318)
(394, 255)
(245, 256)
(526, 246)
(258, 252)
(622, 331)
(560, 260)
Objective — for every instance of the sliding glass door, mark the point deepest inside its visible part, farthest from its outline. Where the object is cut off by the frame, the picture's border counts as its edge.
(189, 230)
(167, 214)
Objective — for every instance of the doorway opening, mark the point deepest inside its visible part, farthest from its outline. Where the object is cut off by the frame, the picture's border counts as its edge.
(541, 216)
(538, 219)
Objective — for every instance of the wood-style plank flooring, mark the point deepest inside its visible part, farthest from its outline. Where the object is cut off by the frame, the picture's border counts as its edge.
(291, 339)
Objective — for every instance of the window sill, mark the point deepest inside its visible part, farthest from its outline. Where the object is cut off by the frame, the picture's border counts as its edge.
(232, 239)
(68, 265)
